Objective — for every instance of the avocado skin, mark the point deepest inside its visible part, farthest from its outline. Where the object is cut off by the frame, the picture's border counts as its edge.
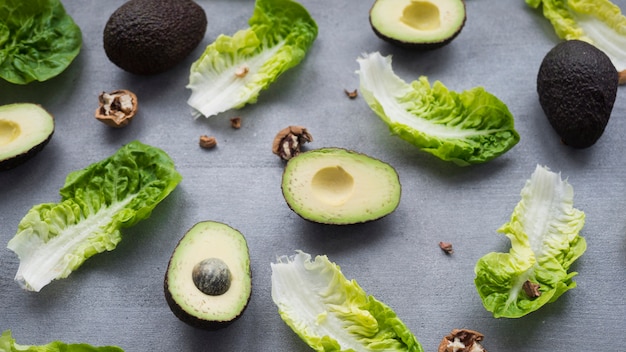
(147, 37)
(577, 86)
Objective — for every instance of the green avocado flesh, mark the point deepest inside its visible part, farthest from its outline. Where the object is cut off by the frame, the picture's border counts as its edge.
(418, 23)
(208, 280)
(25, 129)
(338, 186)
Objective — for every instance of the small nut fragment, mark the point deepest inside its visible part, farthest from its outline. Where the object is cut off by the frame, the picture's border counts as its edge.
(531, 289)
(446, 247)
(117, 108)
(289, 140)
(462, 340)
(242, 71)
(207, 142)
(351, 94)
(235, 122)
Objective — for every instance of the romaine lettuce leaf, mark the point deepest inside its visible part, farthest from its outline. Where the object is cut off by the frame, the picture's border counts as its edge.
(232, 71)
(598, 22)
(38, 40)
(545, 241)
(466, 128)
(7, 344)
(332, 313)
(53, 239)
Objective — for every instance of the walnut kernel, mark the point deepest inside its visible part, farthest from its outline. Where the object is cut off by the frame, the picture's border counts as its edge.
(235, 122)
(207, 142)
(289, 140)
(116, 108)
(462, 340)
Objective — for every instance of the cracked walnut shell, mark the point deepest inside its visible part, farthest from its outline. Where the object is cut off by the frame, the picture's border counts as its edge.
(462, 340)
(117, 108)
(289, 140)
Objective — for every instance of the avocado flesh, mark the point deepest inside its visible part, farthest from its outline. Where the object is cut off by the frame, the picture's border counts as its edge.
(25, 129)
(577, 87)
(425, 24)
(212, 310)
(338, 186)
(148, 37)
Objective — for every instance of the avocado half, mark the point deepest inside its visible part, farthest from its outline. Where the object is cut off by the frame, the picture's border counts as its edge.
(418, 24)
(25, 129)
(208, 280)
(147, 37)
(338, 186)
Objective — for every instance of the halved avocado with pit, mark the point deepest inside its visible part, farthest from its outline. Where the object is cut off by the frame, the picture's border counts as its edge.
(339, 186)
(25, 129)
(208, 280)
(418, 24)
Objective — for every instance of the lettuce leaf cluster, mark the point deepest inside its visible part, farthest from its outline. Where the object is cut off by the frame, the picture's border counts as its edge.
(233, 71)
(466, 128)
(53, 239)
(332, 313)
(8, 344)
(544, 232)
(38, 40)
(598, 22)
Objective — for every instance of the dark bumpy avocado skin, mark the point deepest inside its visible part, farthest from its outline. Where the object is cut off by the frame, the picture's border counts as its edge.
(151, 36)
(577, 85)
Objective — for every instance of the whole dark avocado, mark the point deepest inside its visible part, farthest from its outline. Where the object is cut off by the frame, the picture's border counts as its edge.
(151, 36)
(577, 85)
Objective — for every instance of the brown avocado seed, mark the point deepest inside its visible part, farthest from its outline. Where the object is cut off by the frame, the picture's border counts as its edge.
(117, 108)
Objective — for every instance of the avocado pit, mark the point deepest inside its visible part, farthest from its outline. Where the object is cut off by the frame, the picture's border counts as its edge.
(212, 276)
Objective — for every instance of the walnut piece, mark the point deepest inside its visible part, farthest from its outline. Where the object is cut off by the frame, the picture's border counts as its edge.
(289, 140)
(531, 289)
(207, 142)
(116, 108)
(462, 340)
(351, 94)
(446, 247)
(235, 122)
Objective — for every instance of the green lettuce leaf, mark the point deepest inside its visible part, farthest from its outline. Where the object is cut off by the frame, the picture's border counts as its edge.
(53, 239)
(466, 128)
(598, 22)
(232, 71)
(7, 344)
(38, 40)
(332, 313)
(545, 242)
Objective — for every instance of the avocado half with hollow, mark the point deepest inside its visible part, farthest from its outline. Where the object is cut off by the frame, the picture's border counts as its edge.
(339, 186)
(208, 280)
(418, 24)
(25, 129)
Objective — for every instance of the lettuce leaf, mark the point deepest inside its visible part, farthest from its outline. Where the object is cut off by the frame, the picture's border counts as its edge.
(7, 344)
(466, 128)
(232, 71)
(53, 239)
(38, 40)
(332, 313)
(545, 241)
(598, 22)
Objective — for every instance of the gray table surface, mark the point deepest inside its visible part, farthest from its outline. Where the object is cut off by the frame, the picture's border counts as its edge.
(116, 298)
